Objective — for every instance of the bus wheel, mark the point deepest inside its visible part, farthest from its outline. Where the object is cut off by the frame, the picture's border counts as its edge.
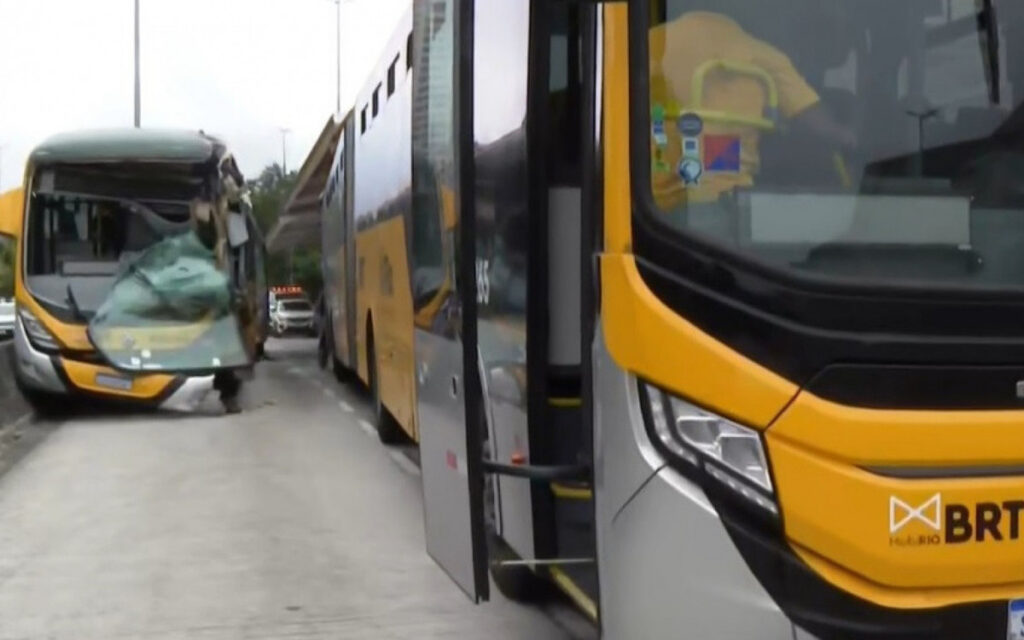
(45, 405)
(387, 427)
(323, 350)
(342, 373)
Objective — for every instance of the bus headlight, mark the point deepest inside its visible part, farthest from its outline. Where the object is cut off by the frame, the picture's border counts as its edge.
(37, 333)
(717, 448)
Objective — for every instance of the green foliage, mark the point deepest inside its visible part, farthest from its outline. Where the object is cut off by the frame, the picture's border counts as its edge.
(308, 273)
(270, 191)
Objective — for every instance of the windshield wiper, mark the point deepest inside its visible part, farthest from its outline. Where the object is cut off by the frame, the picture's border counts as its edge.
(75, 309)
(989, 25)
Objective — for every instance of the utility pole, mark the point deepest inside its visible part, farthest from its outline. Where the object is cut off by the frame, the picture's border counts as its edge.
(138, 81)
(284, 151)
(337, 55)
(337, 52)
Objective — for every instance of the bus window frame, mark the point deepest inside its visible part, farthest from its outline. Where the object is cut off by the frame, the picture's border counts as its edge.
(646, 220)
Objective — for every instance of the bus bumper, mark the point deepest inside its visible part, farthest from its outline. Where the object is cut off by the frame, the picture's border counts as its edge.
(42, 372)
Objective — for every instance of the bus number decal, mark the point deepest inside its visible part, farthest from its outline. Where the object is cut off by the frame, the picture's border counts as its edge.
(483, 281)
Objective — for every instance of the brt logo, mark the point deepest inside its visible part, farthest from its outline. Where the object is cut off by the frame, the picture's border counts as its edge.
(932, 523)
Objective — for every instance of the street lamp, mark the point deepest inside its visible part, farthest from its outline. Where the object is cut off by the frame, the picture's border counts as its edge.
(284, 151)
(138, 81)
(337, 53)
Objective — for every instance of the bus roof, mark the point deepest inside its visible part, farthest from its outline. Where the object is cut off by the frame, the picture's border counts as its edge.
(116, 145)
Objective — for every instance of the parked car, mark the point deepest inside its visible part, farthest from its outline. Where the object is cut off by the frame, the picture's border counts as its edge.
(6, 318)
(295, 315)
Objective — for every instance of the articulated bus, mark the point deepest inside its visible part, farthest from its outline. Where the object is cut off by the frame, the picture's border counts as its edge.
(140, 269)
(707, 310)
(366, 226)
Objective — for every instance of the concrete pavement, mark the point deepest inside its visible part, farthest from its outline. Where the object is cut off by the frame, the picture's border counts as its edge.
(286, 521)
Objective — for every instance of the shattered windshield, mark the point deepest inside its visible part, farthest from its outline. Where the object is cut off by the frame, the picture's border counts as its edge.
(171, 309)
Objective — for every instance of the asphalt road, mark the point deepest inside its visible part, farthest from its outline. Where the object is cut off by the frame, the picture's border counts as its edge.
(287, 521)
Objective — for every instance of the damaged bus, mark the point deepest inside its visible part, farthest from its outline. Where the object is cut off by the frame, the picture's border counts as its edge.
(140, 269)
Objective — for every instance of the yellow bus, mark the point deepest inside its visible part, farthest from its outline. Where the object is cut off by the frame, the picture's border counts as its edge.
(366, 212)
(103, 218)
(713, 308)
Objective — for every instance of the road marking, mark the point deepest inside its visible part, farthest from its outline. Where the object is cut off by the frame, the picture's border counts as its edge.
(367, 428)
(346, 407)
(330, 393)
(296, 371)
(404, 463)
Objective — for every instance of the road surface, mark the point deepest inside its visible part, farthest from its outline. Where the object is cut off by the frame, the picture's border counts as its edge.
(287, 521)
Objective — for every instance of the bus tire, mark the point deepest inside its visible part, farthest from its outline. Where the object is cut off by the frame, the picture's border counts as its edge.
(43, 404)
(342, 373)
(324, 350)
(388, 430)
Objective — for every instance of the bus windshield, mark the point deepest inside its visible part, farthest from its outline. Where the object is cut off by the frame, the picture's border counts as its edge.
(857, 140)
(85, 226)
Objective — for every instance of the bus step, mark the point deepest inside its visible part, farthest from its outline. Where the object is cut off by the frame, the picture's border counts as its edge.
(536, 562)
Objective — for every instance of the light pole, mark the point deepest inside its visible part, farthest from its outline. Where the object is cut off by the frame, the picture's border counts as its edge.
(337, 52)
(284, 174)
(284, 151)
(138, 81)
(337, 55)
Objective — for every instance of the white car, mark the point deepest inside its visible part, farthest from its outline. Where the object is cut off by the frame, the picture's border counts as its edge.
(6, 318)
(293, 315)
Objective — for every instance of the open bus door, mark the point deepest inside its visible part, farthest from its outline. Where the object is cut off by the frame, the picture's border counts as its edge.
(486, 401)
(445, 297)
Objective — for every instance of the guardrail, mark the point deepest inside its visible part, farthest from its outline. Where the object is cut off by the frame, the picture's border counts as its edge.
(12, 405)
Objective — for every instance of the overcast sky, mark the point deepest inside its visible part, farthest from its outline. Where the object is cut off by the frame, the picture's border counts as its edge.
(241, 69)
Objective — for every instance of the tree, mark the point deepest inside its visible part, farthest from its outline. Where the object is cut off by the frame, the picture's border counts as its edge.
(270, 191)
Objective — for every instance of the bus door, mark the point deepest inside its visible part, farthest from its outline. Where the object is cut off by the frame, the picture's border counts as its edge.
(522, 233)
(444, 298)
(348, 279)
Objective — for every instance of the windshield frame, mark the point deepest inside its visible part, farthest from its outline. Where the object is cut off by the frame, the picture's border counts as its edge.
(646, 221)
(62, 311)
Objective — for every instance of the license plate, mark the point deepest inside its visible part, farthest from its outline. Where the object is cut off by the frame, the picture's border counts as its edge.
(1015, 620)
(113, 382)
